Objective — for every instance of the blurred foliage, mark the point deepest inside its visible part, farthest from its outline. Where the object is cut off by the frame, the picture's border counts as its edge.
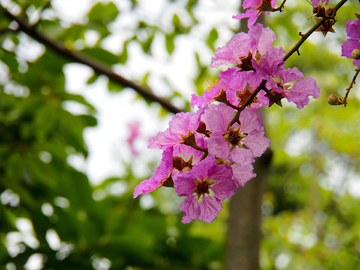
(51, 213)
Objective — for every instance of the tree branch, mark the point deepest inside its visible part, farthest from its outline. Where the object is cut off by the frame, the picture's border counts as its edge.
(99, 68)
(308, 33)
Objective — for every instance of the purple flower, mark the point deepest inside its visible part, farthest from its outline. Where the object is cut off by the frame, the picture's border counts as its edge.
(242, 173)
(299, 92)
(180, 126)
(351, 46)
(225, 140)
(206, 185)
(215, 92)
(317, 3)
(243, 47)
(161, 175)
(254, 9)
(134, 128)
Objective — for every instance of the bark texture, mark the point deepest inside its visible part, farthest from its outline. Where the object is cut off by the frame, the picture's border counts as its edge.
(244, 224)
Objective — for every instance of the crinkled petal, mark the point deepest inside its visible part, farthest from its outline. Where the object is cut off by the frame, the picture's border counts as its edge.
(162, 173)
(301, 90)
(241, 155)
(209, 208)
(218, 117)
(256, 142)
(349, 46)
(218, 146)
(191, 209)
(224, 187)
(250, 120)
(264, 37)
(185, 184)
(243, 173)
(353, 29)
(180, 124)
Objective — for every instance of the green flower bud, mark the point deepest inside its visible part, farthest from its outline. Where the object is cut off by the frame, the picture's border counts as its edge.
(333, 100)
(356, 54)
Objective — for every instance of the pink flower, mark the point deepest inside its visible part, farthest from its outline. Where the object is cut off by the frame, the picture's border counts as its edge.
(206, 185)
(241, 142)
(161, 175)
(254, 9)
(134, 128)
(299, 92)
(321, 3)
(242, 173)
(243, 46)
(351, 46)
(226, 79)
(182, 124)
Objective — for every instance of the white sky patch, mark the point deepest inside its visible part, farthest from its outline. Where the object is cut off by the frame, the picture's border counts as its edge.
(354, 185)
(299, 142)
(70, 11)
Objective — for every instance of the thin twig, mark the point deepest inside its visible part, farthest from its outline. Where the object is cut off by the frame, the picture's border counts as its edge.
(281, 7)
(77, 57)
(308, 33)
(350, 87)
(247, 102)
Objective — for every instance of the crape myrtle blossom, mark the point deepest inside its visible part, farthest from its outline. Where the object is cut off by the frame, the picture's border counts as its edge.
(161, 176)
(209, 153)
(134, 128)
(271, 68)
(175, 159)
(205, 187)
(351, 46)
(244, 47)
(219, 90)
(241, 142)
(254, 9)
(181, 126)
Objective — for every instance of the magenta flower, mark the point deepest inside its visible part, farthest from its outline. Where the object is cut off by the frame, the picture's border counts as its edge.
(242, 142)
(243, 87)
(206, 185)
(226, 79)
(317, 3)
(162, 174)
(299, 92)
(243, 46)
(254, 9)
(351, 46)
(242, 173)
(134, 128)
(182, 124)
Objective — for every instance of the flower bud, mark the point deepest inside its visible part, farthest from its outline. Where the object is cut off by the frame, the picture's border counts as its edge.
(333, 100)
(356, 54)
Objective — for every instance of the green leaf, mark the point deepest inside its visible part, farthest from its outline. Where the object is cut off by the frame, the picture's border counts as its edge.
(93, 78)
(103, 12)
(101, 55)
(10, 60)
(213, 36)
(170, 45)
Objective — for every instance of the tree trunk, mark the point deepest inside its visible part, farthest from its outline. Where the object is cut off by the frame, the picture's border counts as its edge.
(244, 224)
(244, 232)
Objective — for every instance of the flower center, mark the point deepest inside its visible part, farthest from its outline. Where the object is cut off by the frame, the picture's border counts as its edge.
(234, 137)
(203, 186)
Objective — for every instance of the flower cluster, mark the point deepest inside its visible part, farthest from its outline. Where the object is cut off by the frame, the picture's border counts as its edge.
(351, 46)
(209, 153)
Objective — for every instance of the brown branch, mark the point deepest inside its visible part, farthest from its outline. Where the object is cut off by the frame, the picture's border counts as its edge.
(281, 7)
(99, 68)
(350, 87)
(247, 102)
(308, 33)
